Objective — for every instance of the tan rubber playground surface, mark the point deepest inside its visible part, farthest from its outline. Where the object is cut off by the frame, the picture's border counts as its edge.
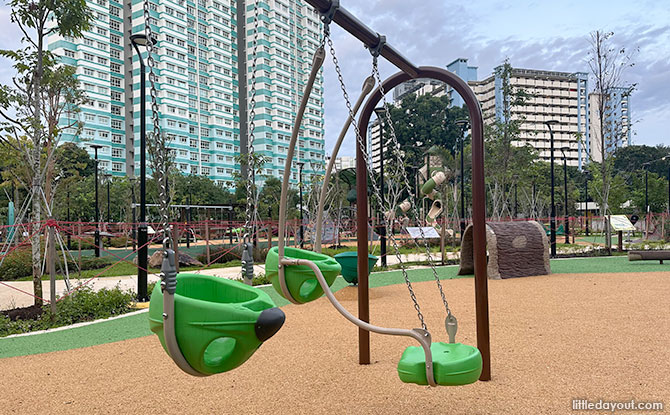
(554, 338)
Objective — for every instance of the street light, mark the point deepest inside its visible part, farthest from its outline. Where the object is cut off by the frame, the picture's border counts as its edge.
(138, 40)
(565, 187)
(302, 234)
(552, 219)
(381, 112)
(96, 237)
(464, 124)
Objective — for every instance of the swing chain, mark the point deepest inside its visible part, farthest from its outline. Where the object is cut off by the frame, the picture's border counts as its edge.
(395, 146)
(161, 150)
(250, 212)
(374, 184)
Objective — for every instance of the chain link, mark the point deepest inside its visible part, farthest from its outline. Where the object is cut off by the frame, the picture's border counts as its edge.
(160, 150)
(376, 191)
(251, 208)
(395, 148)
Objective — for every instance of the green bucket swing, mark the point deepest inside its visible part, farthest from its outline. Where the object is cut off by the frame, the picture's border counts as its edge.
(301, 282)
(218, 323)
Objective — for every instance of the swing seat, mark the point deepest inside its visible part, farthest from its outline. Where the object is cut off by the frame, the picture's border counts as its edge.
(453, 364)
(349, 263)
(300, 279)
(219, 323)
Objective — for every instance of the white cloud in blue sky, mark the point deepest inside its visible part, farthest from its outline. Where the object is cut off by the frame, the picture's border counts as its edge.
(549, 35)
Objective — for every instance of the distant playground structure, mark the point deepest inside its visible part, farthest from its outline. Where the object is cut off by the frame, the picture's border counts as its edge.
(515, 249)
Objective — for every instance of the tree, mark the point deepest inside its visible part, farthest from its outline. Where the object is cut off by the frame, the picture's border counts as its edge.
(607, 65)
(423, 122)
(506, 161)
(42, 90)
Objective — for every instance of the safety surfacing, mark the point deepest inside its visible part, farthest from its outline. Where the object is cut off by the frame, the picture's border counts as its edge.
(554, 338)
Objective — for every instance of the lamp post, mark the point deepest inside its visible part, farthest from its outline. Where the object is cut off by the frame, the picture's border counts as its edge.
(108, 179)
(552, 219)
(302, 234)
(565, 187)
(464, 124)
(381, 112)
(96, 238)
(132, 199)
(142, 239)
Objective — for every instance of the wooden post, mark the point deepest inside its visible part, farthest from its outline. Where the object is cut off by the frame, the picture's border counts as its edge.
(51, 266)
(175, 244)
(620, 237)
(269, 236)
(207, 240)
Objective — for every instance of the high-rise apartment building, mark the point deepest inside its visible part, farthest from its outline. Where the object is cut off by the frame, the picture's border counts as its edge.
(198, 58)
(617, 122)
(559, 96)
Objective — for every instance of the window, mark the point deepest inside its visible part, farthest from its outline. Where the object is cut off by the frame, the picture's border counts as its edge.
(116, 138)
(116, 96)
(115, 53)
(116, 110)
(116, 82)
(117, 167)
(69, 53)
(115, 39)
(116, 124)
(115, 67)
(117, 152)
(114, 25)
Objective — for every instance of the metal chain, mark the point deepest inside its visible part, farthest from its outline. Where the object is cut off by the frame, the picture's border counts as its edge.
(251, 209)
(374, 184)
(160, 151)
(395, 148)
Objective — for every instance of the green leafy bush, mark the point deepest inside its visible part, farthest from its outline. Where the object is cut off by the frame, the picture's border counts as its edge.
(120, 242)
(16, 265)
(221, 255)
(84, 304)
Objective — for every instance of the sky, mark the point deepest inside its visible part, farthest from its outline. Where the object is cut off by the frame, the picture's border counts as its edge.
(541, 34)
(545, 35)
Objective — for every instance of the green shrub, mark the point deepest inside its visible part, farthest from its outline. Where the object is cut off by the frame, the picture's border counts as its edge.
(17, 264)
(120, 242)
(84, 304)
(221, 255)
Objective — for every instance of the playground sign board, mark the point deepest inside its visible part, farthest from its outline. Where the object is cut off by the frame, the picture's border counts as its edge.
(621, 223)
(429, 232)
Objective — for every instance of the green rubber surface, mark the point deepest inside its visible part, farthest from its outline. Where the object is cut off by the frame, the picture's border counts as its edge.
(300, 279)
(215, 323)
(135, 326)
(453, 364)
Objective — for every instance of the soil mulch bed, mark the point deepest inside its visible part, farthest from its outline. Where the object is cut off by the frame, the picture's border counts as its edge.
(32, 312)
(554, 338)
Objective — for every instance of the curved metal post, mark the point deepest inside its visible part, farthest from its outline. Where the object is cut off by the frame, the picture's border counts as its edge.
(367, 87)
(478, 208)
(420, 335)
(319, 56)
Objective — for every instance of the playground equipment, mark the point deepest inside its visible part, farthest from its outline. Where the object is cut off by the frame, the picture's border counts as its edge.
(349, 263)
(516, 249)
(206, 324)
(289, 259)
(296, 273)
